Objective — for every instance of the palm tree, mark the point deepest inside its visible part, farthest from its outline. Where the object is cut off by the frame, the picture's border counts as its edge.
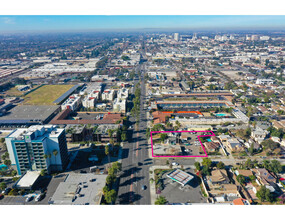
(55, 152)
(107, 152)
(111, 132)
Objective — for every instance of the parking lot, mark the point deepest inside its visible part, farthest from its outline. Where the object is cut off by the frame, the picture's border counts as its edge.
(175, 193)
(21, 200)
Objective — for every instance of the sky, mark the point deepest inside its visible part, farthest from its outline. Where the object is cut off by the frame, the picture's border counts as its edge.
(40, 23)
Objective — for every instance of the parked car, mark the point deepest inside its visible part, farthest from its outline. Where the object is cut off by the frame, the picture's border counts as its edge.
(39, 197)
(143, 187)
(1, 196)
(29, 198)
(175, 164)
(6, 191)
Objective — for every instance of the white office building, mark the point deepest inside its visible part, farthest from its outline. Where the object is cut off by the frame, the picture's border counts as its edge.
(176, 36)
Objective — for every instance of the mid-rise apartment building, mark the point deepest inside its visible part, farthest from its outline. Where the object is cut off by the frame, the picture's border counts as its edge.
(39, 147)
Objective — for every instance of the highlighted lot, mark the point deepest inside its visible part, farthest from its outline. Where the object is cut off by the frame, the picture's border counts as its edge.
(179, 143)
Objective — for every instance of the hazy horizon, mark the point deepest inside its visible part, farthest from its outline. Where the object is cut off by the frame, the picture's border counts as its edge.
(131, 23)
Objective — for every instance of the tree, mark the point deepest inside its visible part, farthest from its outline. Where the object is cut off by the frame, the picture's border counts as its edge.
(43, 172)
(207, 162)
(116, 167)
(275, 166)
(110, 179)
(221, 165)
(241, 179)
(110, 196)
(14, 173)
(252, 178)
(3, 185)
(163, 137)
(198, 166)
(161, 200)
(110, 133)
(264, 194)
(178, 124)
(55, 152)
(105, 190)
(107, 152)
(124, 136)
(7, 162)
(251, 149)
(248, 164)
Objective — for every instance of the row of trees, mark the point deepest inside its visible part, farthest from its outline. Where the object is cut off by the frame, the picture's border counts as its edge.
(207, 166)
(136, 101)
(110, 194)
(273, 165)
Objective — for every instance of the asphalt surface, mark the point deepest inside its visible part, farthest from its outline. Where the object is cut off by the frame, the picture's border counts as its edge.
(135, 162)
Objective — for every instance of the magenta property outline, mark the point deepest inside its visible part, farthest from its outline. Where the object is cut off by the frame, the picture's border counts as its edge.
(206, 155)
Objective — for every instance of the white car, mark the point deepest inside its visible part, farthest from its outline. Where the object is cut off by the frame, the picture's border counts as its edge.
(175, 164)
(29, 198)
(38, 197)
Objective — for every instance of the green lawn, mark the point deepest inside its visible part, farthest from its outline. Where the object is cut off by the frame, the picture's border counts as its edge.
(45, 95)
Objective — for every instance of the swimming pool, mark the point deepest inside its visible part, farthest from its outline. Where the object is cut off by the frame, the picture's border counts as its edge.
(209, 140)
(220, 114)
(3, 167)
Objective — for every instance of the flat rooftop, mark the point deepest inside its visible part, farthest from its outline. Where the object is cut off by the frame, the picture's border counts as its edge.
(28, 180)
(180, 176)
(78, 190)
(28, 113)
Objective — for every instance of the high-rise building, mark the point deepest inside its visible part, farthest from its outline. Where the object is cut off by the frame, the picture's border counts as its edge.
(39, 147)
(194, 36)
(176, 36)
(254, 37)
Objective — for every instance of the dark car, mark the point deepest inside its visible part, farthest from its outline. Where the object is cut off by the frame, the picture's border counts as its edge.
(143, 187)
(83, 171)
(1, 196)
(140, 164)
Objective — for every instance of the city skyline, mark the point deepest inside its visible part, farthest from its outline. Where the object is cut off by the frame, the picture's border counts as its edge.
(44, 23)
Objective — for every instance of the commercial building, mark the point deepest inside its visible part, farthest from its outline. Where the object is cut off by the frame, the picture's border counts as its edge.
(94, 118)
(37, 147)
(182, 104)
(27, 115)
(79, 189)
(76, 133)
(101, 134)
(264, 81)
(180, 176)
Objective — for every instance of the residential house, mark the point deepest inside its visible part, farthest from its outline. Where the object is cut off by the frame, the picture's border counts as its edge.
(259, 134)
(219, 177)
(211, 146)
(234, 145)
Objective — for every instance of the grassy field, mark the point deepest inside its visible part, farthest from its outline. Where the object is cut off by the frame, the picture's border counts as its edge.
(13, 92)
(46, 94)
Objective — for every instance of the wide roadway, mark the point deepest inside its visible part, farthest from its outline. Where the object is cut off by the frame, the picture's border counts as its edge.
(135, 161)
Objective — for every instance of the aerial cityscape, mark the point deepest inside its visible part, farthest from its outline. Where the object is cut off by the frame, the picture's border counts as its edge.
(145, 116)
